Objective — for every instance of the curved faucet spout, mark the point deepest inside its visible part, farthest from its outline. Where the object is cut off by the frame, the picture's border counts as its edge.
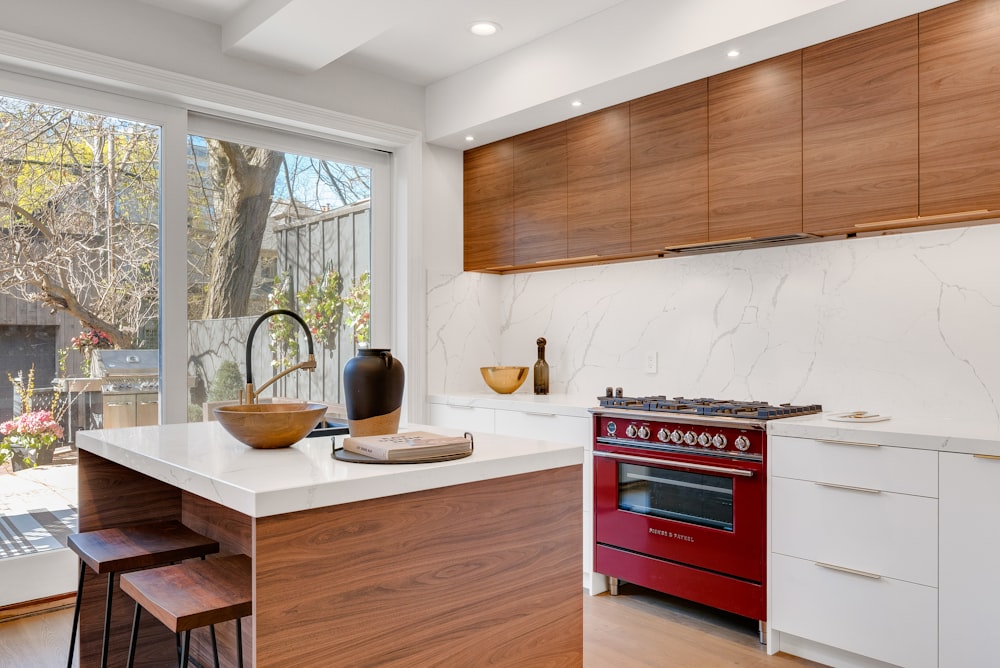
(253, 393)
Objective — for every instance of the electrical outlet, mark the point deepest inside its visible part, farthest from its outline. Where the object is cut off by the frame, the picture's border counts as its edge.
(650, 366)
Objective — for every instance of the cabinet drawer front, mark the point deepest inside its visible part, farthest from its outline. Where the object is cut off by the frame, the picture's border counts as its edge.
(893, 535)
(546, 426)
(884, 619)
(469, 418)
(902, 470)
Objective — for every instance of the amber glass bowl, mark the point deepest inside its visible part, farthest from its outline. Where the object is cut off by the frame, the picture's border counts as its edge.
(504, 379)
(270, 425)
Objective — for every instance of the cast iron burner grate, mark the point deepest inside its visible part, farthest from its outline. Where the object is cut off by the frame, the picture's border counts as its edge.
(758, 410)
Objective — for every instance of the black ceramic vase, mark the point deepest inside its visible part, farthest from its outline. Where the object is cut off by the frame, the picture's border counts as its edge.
(373, 389)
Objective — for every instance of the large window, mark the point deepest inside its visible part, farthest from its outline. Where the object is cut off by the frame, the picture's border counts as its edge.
(275, 221)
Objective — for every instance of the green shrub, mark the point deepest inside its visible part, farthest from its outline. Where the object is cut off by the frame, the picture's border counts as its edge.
(227, 383)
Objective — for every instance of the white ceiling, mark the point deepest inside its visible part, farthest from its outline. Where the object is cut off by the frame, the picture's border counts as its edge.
(548, 53)
(417, 41)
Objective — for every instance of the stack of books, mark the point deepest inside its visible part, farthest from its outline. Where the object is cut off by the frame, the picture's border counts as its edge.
(412, 446)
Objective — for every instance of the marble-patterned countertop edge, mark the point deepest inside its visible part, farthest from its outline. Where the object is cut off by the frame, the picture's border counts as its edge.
(201, 458)
(944, 434)
(557, 404)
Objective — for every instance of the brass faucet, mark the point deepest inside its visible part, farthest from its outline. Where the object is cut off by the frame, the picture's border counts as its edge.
(253, 393)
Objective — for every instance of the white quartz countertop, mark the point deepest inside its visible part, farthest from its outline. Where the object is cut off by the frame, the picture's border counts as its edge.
(557, 404)
(943, 434)
(202, 458)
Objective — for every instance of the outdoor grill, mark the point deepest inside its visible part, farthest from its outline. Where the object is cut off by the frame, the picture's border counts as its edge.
(130, 385)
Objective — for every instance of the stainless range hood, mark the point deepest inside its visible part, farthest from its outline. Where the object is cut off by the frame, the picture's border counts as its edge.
(742, 243)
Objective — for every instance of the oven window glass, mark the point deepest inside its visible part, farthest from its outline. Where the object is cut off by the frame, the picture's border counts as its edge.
(695, 498)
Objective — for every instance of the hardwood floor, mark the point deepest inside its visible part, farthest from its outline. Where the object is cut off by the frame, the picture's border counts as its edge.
(635, 629)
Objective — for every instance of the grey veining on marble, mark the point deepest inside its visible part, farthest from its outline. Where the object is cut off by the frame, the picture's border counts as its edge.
(902, 324)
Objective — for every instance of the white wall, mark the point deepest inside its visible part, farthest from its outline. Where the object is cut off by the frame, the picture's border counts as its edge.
(898, 324)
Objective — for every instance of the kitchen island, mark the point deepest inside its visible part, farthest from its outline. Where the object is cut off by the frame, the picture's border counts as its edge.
(471, 561)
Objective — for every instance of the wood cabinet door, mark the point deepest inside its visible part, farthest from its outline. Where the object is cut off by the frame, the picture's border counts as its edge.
(959, 108)
(669, 184)
(755, 150)
(540, 195)
(598, 183)
(859, 129)
(488, 187)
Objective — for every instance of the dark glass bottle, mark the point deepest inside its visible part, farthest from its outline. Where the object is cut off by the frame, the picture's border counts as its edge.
(541, 369)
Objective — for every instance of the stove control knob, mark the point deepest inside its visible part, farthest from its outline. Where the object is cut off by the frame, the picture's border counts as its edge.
(690, 438)
(704, 440)
(676, 436)
(719, 441)
(643, 432)
(742, 443)
(612, 428)
(631, 431)
(662, 435)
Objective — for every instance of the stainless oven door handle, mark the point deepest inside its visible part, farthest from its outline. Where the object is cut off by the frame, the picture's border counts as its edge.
(684, 465)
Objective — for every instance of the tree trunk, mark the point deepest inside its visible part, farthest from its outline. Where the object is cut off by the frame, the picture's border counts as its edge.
(248, 177)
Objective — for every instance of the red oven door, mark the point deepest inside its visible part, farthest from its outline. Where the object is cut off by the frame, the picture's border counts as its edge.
(704, 512)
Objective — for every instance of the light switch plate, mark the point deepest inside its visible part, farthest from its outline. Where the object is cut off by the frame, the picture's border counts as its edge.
(650, 366)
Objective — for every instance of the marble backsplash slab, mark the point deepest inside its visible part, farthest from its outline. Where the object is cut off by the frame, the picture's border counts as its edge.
(899, 324)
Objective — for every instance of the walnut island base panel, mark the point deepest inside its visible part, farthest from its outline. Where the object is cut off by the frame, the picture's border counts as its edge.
(484, 571)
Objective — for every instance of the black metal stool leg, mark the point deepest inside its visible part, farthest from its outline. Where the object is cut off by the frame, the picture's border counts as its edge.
(185, 648)
(107, 620)
(76, 615)
(239, 643)
(215, 645)
(135, 636)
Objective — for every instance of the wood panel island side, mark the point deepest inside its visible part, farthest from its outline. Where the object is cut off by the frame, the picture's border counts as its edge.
(468, 562)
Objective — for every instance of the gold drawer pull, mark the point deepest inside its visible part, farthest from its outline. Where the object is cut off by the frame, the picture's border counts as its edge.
(833, 442)
(986, 456)
(852, 488)
(842, 569)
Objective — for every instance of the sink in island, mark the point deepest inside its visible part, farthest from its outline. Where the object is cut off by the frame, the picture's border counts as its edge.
(470, 561)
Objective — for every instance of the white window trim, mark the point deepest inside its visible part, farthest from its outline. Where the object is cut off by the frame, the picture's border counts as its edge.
(73, 77)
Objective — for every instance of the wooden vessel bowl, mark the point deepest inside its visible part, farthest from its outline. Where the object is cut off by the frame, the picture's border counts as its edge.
(504, 379)
(267, 426)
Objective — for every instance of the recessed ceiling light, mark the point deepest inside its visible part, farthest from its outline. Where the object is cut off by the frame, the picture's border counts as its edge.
(576, 103)
(484, 28)
(733, 53)
(469, 138)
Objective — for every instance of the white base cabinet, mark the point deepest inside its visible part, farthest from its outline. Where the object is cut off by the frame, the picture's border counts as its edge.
(852, 563)
(970, 560)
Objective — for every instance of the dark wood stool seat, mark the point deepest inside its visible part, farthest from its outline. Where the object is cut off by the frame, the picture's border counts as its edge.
(192, 595)
(129, 548)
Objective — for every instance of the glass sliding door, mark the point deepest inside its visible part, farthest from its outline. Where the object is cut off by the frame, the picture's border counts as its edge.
(80, 219)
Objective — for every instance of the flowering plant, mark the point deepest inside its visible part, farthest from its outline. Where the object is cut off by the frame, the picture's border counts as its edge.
(282, 331)
(35, 432)
(87, 340)
(323, 307)
(358, 302)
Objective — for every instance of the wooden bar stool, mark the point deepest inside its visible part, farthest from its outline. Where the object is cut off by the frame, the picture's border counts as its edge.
(191, 595)
(128, 548)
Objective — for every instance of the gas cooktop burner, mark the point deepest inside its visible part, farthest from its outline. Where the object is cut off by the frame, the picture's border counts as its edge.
(758, 410)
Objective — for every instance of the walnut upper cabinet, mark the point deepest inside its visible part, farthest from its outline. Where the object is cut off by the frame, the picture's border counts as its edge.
(598, 183)
(540, 201)
(669, 184)
(960, 108)
(488, 186)
(755, 150)
(859, 129)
